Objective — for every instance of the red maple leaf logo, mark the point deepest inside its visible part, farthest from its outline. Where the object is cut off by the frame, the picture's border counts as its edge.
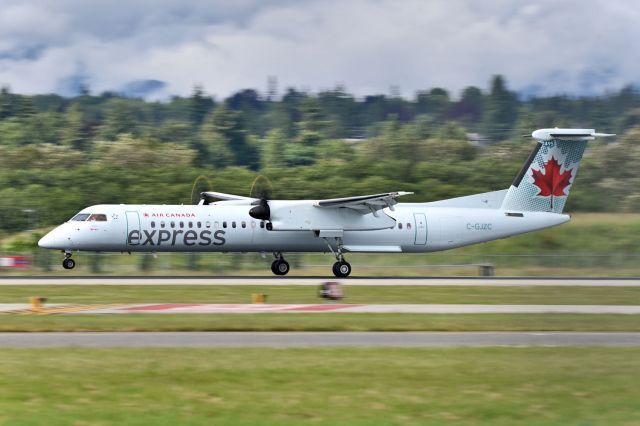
(552, 182)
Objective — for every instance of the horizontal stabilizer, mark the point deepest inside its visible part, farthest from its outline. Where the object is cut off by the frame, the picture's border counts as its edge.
(567, 134)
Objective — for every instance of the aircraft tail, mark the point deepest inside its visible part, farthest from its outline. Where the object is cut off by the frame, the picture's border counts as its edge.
(544, 182)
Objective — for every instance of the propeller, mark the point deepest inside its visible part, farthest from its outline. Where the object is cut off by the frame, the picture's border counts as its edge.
(200, 185)
(262, 190)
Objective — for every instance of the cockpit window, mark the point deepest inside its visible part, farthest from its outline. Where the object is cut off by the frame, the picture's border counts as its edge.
(81, 217)
(98, 218)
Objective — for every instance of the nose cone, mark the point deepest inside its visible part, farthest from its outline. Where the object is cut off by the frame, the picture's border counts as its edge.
(54, 240)
(48, 241)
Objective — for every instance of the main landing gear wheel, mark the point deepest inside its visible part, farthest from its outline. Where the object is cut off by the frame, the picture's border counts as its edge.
(280, 267)
(341, 269)
(68, 263)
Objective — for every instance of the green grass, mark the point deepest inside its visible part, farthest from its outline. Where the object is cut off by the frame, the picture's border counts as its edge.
(321, 322)
(472, 294)
(462, 386)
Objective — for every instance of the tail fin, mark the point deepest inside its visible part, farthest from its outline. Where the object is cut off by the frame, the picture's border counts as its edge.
(544, 182)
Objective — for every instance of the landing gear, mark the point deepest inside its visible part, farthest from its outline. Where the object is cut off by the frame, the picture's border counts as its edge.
(68, 262)
(280, 266)
(341, 269)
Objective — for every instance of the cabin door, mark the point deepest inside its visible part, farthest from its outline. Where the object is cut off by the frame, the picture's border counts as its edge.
(133, 228)
(420, 229)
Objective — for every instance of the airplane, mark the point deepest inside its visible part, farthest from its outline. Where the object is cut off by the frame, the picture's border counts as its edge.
(362, 224)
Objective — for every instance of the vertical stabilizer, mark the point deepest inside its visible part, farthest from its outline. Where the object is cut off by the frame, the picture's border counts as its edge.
(546, 178)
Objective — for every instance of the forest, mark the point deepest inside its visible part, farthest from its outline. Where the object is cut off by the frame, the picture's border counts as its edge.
(59, 155)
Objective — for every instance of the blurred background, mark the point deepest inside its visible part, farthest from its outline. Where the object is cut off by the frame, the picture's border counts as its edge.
(157, 101)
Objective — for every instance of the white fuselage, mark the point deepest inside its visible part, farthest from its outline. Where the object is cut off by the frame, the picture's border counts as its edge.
(227, 227)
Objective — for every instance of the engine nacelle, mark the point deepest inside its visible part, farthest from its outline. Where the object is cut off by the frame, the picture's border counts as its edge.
(261, 211)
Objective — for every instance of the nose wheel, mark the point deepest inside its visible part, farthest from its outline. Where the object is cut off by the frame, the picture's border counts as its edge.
(68, 262)
(280, 266)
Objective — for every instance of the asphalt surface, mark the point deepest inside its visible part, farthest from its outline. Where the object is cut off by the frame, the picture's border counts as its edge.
(316, 339)
(315, 281)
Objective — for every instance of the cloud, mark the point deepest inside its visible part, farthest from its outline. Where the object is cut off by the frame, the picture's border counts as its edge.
(368, 46)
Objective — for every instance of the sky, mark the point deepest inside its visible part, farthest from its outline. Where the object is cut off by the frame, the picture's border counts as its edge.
(159, 48)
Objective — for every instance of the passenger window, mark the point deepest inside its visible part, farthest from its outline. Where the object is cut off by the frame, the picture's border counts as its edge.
(162, 224)
(244, 224)
(399, 226)
(199, 224)
(190, 224)
(153, 224)
(233, 224)
(224, 224)
(408, 226)
(173, 224)
(216, 224)
(181, 224)
(262, 224)
(81, 217)
(208, 224)
(253, 224)
(98, 218)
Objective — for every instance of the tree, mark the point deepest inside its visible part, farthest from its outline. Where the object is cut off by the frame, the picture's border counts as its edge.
(120, 118)
(221, 135)
(6, 103)
(435, 102)
(199, 105)
(288, 112)
(273, 149)
(74, 133)
(502, 110)
(132, 152)
(630, 119)
(339, 108)
(249, 105)
(218, 149)
(470, 108)
(312, 125)
(25, 107)
(43, 127)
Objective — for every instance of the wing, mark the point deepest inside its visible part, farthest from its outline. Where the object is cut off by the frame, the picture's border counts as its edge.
(223, 196)
(363, 203)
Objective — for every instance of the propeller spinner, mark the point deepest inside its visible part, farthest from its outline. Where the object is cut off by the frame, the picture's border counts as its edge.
(262, 190)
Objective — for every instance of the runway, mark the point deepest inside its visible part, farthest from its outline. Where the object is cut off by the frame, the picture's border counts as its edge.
(193, 308)
(315, 281)
(315, 339)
